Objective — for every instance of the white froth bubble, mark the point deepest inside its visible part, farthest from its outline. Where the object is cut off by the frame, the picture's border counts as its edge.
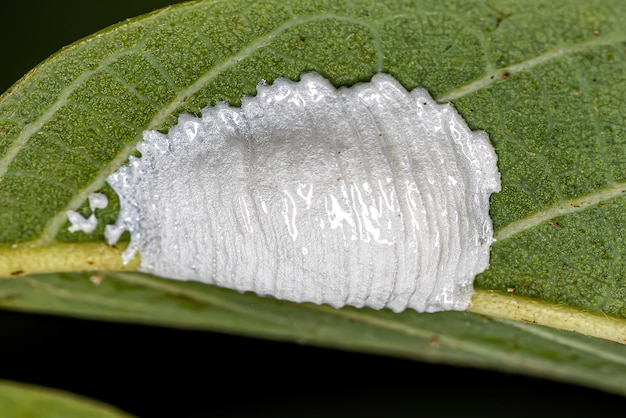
(98, 201)
(79, 223)
(364, 196)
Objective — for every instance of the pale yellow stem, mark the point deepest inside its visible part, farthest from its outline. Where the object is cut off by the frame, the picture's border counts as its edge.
(519, 308)
(18, 260)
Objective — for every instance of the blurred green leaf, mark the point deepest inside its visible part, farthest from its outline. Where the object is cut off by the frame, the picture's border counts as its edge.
(18, 400)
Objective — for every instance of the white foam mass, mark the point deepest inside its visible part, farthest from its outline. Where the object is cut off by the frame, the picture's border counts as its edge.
(363, 196)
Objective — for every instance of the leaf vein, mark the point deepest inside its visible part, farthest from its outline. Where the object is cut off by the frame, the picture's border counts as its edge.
(566, 207)
(55, 223)
(495, 75)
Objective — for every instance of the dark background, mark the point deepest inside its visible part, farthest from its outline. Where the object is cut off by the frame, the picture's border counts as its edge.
(158, 372)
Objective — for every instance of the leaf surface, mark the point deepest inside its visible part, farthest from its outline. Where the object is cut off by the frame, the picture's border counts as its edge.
(547, 91)
(18, 400)
(455, 337)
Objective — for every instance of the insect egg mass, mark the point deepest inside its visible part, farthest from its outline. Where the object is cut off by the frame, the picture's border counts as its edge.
(364, 196)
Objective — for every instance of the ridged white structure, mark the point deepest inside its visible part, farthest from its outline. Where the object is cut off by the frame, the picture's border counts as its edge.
(363, 196)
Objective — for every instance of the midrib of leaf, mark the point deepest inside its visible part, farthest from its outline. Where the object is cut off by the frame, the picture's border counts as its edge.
(494, 75)
(97, 256)
(23, 259)
(519, 308)
(56, 222)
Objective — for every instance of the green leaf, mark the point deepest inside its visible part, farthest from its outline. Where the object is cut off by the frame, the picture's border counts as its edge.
(454, 337)
(18, 400)
(547, 91)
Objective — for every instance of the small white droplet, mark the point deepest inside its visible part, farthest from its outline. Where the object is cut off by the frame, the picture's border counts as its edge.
(80, 223)
(98, 201)
(89, 224)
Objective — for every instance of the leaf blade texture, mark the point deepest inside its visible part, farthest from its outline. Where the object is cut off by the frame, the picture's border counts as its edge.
(547, 91)
(20, 400)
